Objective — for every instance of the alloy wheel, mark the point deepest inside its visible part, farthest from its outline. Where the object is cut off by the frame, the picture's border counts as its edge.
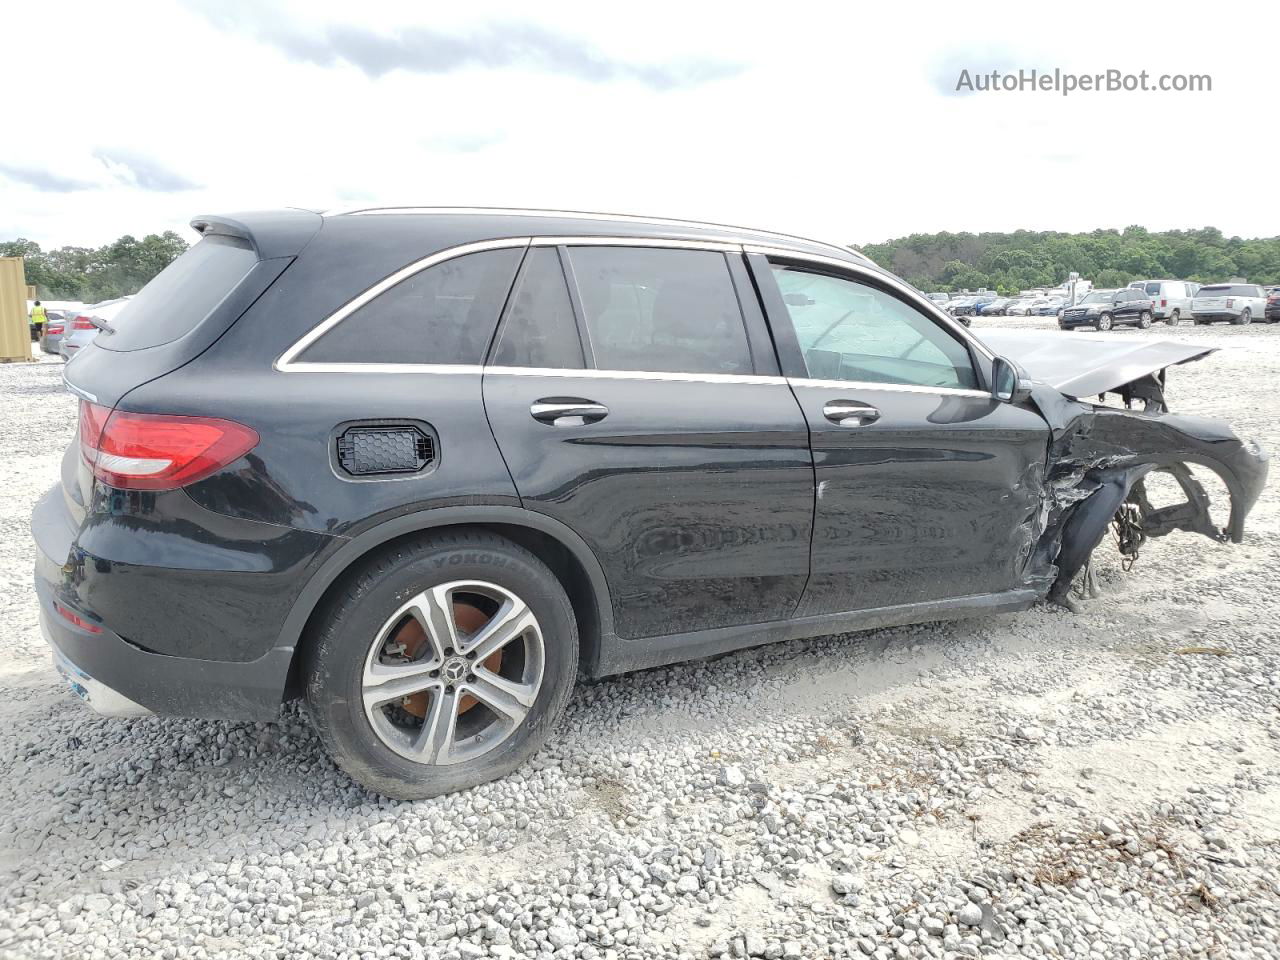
(453, 673)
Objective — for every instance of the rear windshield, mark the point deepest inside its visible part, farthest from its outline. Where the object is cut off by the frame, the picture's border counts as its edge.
(1153, 288)
(182, 295)
(1229, 290)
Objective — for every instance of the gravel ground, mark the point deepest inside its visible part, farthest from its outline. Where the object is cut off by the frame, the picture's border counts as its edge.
(1102, 784)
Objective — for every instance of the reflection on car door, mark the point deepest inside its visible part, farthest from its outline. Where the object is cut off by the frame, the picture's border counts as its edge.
(634, 406)
(926, 485)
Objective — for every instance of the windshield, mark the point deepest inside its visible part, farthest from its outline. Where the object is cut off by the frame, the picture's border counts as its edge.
(1098, 297)
(182, 295)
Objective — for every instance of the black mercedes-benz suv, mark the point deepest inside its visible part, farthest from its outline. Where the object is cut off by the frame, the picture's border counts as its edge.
(1104, 309)
(421, 467)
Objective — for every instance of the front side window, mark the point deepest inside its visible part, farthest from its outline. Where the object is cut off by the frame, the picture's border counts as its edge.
(663, 310)
(443, 314)
(852, 331)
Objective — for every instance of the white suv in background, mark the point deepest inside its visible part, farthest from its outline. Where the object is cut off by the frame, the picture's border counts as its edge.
(1171, 298)
(1236, 302)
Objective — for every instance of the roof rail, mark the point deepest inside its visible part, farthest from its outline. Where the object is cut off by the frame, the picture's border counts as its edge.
(588, 215)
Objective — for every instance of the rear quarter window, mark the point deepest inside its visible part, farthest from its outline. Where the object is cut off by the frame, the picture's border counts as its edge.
(445, 314)
(182, 295)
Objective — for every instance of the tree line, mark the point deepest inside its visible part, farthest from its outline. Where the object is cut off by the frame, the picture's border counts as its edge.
(1011, 262)
(1007, 262)
(91, 274)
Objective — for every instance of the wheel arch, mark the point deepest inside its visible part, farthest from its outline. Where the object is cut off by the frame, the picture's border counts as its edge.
(567, 554)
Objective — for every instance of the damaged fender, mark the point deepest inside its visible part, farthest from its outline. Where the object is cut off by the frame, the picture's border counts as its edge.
(1098, 459)
(1099, 456)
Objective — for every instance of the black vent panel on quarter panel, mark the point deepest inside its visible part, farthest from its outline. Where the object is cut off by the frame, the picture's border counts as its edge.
(374, 450)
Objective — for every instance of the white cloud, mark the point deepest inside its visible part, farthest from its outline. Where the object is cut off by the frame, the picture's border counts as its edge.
(828, 120)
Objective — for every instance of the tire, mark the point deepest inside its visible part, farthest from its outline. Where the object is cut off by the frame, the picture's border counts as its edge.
(1105, 322)
(1174, 319)
(1244, 319)
(365, 640)
(1144, 320)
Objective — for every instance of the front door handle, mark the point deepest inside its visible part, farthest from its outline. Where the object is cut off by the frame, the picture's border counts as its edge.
(850, 413)
(568, 411)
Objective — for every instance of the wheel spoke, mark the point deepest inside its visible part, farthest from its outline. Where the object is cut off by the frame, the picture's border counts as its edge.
(510, 622)
(433, 609)
(507, 697)
(434, 742)
(384, 682)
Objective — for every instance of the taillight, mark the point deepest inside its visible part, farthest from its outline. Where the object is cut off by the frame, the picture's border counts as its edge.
(1164, 303)
(53, 328)
(149, 451)
(81, 323)
(1230, 302)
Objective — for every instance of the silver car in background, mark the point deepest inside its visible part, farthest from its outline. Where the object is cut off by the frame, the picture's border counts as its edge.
(81, 330)
(1236, 303)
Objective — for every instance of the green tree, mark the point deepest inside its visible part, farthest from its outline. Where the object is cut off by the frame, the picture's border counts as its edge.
(83, 273)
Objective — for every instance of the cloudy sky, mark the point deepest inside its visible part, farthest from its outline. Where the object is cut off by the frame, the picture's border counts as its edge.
(838, 121)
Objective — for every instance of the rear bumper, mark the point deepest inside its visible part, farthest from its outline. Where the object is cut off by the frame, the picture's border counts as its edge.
(1215, 316)
(104, 699)
(121, 678)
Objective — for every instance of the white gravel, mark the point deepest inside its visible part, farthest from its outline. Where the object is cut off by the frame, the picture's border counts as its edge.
(1102, 785)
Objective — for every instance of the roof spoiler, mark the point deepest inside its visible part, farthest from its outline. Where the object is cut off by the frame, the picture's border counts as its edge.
(271, 234)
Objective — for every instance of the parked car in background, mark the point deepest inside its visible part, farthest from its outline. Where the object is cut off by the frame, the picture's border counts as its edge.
(81, 330)
(52, 333)
(1051, 307)
(1273, 304)
(962, 306)
(1104, 309)
(1236, 303)
(1025, 307)
(1171, 299)
(994, 308)
(939, 298)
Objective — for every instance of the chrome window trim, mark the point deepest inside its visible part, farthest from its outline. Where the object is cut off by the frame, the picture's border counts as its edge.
(674, 377)
(453, 369)
(916, 299)
(893, 387)
(287, 362)
(715, 244)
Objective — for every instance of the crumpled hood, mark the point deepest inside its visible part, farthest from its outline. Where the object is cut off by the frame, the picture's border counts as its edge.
(1083, 365)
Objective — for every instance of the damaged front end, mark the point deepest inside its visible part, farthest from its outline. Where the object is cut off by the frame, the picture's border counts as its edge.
(1100, 457)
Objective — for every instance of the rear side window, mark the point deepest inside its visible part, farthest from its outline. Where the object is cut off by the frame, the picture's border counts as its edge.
(443, 314)
(182, 295)
(663, 310)
(540, 329)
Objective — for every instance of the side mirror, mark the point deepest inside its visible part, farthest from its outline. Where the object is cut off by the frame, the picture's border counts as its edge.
(1009, 382)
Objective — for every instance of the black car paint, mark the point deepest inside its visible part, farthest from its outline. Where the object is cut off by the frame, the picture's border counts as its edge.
(686, 519)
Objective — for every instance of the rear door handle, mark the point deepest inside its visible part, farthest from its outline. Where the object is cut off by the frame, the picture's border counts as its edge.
(567, 411)
(850, 413)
